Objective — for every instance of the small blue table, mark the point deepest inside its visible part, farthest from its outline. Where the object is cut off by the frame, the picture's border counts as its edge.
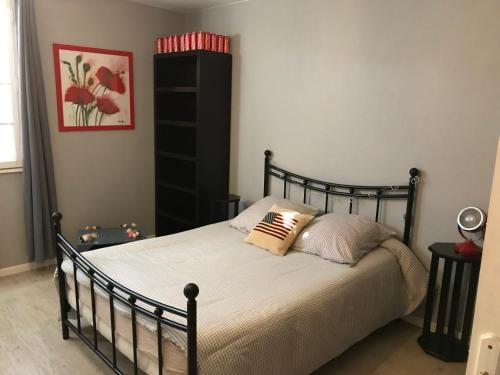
(107, 237)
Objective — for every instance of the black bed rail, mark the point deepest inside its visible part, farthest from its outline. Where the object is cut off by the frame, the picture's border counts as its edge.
(115, 291)
(353, 192)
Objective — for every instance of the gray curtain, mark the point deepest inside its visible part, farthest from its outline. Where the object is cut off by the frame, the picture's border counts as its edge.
(38, 168)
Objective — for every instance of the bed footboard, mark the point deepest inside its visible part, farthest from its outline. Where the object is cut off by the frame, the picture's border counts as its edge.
(156, 311)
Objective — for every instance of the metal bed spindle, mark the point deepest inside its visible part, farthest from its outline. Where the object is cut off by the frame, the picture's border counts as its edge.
(77, 299)
(379, 194)
(285, 180)
(132, 301)
(327, 195)
(352, 191)
(92, 298)
(112, 319)
(159, 313)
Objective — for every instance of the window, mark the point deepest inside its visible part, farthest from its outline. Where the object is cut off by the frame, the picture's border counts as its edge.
(10, 143)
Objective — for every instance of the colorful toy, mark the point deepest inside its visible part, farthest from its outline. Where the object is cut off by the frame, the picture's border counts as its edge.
(92, 227)
(87, 237)
(133, 233)
(132, 225)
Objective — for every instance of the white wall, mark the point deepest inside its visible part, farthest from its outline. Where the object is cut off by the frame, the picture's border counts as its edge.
(105, 177)
(359, 91)
(101, 177)
(354, 90)
(487, 312)
(12, 235)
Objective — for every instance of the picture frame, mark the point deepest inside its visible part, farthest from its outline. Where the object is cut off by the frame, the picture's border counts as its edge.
(94, 88)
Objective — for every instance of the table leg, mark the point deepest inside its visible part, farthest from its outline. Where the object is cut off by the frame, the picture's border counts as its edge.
(455, 299)
(443, 299)
(471, 297)
(430, 297)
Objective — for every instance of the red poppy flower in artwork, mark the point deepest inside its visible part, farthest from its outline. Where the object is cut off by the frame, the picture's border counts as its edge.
(107, 106)
(112, 81)
(78, 95)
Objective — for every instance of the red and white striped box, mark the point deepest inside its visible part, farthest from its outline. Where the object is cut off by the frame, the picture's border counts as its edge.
(159, 45)
(213, 42)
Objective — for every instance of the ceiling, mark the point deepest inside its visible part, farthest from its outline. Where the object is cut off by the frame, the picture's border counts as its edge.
(187, 5)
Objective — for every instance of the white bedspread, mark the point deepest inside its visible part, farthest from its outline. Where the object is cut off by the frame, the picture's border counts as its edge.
(263, 314)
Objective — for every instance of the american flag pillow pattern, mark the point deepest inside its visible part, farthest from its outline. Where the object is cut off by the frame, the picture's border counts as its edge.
(278, 229)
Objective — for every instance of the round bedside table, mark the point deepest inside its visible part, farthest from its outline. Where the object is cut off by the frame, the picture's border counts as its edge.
(446, 345)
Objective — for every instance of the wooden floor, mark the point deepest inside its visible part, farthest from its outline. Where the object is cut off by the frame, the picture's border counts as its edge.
(31, 343)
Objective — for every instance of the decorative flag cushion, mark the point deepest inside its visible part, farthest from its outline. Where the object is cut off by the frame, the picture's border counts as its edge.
(278, 229)
(249, 218)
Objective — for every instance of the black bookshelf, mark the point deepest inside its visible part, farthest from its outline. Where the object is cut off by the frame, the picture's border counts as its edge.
(192, 132)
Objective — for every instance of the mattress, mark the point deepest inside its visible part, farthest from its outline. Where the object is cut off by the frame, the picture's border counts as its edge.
(257, 313)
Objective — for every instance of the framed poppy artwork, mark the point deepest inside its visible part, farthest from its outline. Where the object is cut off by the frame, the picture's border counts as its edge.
(94, 88)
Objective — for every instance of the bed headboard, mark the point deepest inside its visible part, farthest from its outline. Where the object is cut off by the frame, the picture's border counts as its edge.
(351, 192)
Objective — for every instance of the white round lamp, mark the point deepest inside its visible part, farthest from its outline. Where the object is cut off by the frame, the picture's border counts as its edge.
(470, 220)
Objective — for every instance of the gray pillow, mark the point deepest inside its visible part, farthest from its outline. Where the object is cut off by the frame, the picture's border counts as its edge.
(341, 238)
(250, 217)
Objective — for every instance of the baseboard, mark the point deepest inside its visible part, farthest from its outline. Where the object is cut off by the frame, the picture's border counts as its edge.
(7, 271)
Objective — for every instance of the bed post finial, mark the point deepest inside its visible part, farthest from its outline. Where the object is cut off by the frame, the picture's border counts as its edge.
(191, 292)
(56, 217)
(267, 162)
(414, 173)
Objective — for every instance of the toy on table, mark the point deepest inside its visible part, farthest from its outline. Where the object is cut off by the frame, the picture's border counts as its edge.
(133, 233)
(92, 227)
(132, 225)
(87, 237)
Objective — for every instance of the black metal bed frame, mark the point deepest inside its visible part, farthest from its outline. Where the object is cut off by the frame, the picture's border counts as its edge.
(351, 192)
(116, 291)
(155, 310)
